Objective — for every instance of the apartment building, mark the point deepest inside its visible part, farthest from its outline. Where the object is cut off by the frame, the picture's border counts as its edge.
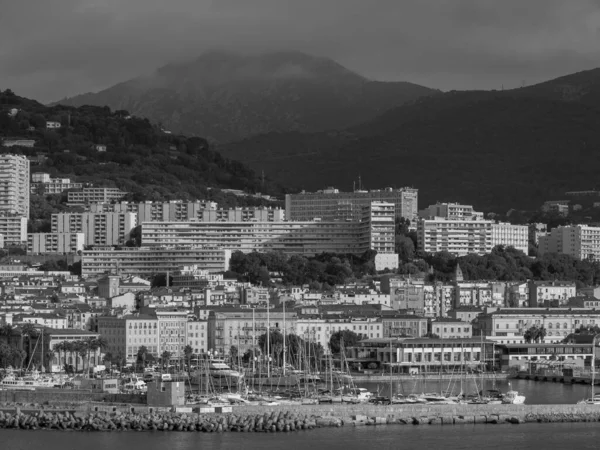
(40, 243)
(405, 293)
(13, 229)
(229, 326)
(550, 293)
(149, 211)
(94, 195)
(509, 235)
(374, 231)
(173, 326)
(42, 183)
(148, 261)
(331, 204)
(452, 211)
(197, 336)
(14, 185)
(99, 228)
(578, 241)
(395, 325)
(508, 325)
(126, 335)
(458, 237)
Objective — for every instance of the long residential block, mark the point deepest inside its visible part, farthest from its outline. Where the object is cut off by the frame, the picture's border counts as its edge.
(38, 243)
(148, 261)
(98, 228)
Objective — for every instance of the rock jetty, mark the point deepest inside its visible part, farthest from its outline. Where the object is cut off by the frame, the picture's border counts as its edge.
(268, 422)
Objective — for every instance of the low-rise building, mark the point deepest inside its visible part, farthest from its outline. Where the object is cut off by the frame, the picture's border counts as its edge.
(550, 293)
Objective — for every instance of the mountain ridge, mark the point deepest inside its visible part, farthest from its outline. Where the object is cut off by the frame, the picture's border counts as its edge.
(225, 96)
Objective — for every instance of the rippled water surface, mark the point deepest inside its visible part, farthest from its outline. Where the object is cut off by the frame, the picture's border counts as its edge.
(528, 436)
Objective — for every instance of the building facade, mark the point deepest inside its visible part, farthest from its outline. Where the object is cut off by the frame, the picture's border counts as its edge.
(39, 243)
(99, 228)
(148, 261)
(14, 185)
(95, 195)
(13, 229)
(331, 204)
(458, 237)
(508, 235)
(578, 241)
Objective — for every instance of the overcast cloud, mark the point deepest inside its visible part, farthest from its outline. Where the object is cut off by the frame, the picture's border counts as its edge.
(55, 48)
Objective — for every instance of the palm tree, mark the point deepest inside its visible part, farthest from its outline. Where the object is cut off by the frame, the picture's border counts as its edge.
(29, 331)
(96, 344)
(81, 350)
(58, 348)
(70, 348)
(6, 330)
(188, 351)
(141, 355)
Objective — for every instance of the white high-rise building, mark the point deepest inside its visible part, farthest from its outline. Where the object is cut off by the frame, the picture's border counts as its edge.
(14, 185)
(452, 211)
(459, 237)
(509, 235)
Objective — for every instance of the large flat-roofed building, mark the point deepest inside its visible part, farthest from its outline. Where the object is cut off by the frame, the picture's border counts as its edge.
(95, 195)
(13, 229)
(148, 261)
(38, 243)
(331, 204)
(98, 228)
(578, 241)
(14, 185)
(375, 231)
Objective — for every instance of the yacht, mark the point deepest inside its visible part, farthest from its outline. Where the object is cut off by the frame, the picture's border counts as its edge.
(218, 369)
(29, 382)
(514, 398)
(354, 394)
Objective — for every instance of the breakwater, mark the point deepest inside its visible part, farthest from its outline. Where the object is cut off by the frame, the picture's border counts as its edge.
(285, 418)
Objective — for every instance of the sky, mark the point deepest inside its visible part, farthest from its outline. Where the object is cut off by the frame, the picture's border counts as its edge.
(50, 49)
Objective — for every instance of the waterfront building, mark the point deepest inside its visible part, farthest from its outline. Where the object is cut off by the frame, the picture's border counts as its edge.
(330, 204)
(99, 228)
(395, 324)
(421, 355)
(578, 241)
(53, 360)
(241, 327)
(550, 293)
(126, 335)
(148, 261)
(449, 328)
(519, 356)
(14, 185)
(197, 336)
(94, 195)
(508, 325)
(173, 326)
(42, 243)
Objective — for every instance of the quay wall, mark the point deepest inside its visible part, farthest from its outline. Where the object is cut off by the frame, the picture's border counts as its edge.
(53, 396)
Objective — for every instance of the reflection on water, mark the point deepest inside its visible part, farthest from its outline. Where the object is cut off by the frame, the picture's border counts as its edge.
(536, 392)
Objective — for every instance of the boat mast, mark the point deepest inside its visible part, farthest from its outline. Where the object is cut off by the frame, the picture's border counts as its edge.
(253, 349)
(391, 387)
(284, 331)
(593, 364)
(268, 343)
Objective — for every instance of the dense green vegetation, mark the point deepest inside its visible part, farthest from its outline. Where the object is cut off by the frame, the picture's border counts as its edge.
(140, 158)
(322, 271)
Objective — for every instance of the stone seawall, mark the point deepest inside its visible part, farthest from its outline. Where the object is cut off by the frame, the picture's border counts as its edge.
(284, 418)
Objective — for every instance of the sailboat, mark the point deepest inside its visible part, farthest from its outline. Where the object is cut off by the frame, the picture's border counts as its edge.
(595, 398)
